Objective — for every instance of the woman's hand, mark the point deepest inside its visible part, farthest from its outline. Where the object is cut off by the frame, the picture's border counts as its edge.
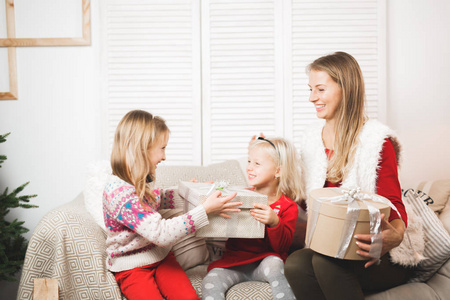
(392, 236)
(217, 205)
(265, 214)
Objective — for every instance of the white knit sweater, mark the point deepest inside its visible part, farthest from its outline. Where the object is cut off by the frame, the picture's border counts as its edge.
(137, 237)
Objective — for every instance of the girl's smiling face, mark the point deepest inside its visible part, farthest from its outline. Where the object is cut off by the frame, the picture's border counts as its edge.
(157, 152)
(326, 94)
(262, 171)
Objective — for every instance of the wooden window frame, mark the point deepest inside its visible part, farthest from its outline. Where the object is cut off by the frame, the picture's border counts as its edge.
(12, 62)
(11, 42)
(85, 40)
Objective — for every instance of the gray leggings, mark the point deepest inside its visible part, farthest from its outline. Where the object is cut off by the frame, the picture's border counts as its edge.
(270, 269)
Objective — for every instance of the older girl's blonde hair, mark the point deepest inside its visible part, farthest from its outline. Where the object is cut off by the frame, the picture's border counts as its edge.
(135, 135)
(286, 157)
(350, 115)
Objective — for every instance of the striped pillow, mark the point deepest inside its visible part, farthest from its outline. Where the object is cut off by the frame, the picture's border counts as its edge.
(437, 239)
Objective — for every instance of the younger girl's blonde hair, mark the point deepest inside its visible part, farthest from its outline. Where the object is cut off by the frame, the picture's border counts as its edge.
(135, 135)
(286, 157)
(350, 115)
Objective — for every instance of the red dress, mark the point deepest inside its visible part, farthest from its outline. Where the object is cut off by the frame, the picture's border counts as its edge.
(276, 241)
(388, 185)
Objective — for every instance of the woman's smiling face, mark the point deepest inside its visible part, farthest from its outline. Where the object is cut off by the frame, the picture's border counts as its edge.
(326, 94)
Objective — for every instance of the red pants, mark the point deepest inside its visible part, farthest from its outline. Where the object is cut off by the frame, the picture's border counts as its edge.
(162, 279)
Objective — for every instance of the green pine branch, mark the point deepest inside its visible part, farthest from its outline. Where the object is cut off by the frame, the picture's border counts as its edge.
(2, 140)
(13, 245)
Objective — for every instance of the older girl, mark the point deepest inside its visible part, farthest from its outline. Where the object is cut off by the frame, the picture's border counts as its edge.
(138, 239)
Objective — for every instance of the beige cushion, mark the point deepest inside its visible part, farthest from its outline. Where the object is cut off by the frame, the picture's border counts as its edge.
(190, 251)
(216, 248)
(438, 191)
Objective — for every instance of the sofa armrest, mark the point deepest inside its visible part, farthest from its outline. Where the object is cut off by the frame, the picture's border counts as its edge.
(69, 246)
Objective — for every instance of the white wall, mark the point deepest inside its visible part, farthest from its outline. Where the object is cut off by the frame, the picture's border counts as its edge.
(55, 127)
(56, 123)
(418, 67)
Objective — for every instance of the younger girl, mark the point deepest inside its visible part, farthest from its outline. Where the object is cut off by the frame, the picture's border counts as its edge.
(138, 239)
(274, 170)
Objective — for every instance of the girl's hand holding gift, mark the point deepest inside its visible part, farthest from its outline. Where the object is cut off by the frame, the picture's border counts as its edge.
(217, 205)
(264, 214)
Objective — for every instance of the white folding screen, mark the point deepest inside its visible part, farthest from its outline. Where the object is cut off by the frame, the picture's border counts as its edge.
(242, 76)
(152, 62)
(321, 27)
(220, 71)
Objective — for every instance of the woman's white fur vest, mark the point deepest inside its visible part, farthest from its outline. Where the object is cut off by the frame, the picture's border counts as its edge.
(363, 172)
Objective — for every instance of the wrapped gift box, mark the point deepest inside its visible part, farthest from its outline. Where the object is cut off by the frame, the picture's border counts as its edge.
(241, 224)
(328, 224)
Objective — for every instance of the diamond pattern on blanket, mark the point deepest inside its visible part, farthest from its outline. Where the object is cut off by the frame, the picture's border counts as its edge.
(77, 264)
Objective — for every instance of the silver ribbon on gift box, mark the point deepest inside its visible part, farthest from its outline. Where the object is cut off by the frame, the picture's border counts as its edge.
(223, 186)
(350, 197)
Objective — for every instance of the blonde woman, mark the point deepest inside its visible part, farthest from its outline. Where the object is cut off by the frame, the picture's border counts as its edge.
(138, 239)
(348, 150)
(273, 169)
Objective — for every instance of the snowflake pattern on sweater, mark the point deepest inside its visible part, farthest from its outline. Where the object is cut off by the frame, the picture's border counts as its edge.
(132, 230)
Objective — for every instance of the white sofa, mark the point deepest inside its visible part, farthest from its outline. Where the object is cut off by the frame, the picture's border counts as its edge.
(69, 245)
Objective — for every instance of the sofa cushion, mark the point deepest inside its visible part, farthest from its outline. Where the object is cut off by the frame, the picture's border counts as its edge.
(190, 251)
(440, 282)
(438, 191)
(437, 239)
(216, 248)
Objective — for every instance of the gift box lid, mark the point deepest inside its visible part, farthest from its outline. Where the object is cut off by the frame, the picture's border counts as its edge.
(339, 210)
(197, 192)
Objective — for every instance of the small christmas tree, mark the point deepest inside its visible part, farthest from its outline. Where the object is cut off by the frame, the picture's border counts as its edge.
(12, 244)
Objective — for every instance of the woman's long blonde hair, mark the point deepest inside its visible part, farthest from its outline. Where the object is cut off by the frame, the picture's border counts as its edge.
(135, 135)
(286, 157)
(350, 115)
